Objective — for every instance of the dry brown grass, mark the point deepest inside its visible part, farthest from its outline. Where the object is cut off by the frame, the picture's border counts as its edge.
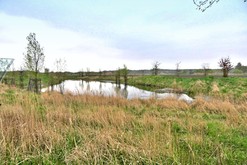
(95, 129)
(215, 88)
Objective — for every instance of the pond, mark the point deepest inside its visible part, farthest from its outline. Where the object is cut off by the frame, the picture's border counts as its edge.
(111, 89)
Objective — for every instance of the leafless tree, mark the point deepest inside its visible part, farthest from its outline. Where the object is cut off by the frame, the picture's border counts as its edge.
(117, 77)
(88, 71)
(155, 68)
(82, 73)
(125, 75)
(177, 68)
(100, 73)
(225, 64)
(60, 67)
(205, 67)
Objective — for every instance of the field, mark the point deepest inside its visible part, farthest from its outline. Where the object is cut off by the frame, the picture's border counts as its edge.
(65, 129)
(234, 88)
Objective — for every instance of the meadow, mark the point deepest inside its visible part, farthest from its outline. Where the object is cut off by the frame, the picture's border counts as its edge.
(234, 88)
(51, 128)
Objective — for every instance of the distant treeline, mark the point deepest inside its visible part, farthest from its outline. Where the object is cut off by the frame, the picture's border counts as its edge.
(241, 67)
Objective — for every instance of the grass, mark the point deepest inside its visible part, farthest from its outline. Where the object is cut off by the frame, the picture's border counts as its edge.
(65, 129)
(231, 87)
(46, 78)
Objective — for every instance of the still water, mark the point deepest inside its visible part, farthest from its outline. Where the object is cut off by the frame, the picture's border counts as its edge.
(107, 89)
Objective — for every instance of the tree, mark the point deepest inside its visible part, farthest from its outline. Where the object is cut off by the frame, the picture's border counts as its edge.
(205, 68)
(205, 4)
(88, 72)
(100, 73)
(238, 66)
(177, 68)
(82, 73)
(47, 70)
(60, 67)
(125, 75)
(225, 64)
(117, 76)
(34, 58)
(21, 77)
(241, 67)
(156, 67)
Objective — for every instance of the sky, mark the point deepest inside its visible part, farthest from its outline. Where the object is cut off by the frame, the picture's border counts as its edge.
(106, 34)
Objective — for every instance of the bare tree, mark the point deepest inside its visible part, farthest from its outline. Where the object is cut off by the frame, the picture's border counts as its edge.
(100, 73)
(125, 75)
(117, 76)
(82, 73)
(225, 64)
(205, 4)
(177, 68)
(205, 67)
(88, 71)
(61, 66)
(155, 68)
(34, 58)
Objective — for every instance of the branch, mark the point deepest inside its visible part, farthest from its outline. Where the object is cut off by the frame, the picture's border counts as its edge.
(205, 4)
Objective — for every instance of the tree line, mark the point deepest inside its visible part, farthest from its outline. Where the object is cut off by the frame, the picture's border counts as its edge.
(34, 61)
(224, 63)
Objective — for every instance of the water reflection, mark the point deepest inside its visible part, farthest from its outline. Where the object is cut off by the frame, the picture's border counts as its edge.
(101, 88)
(111, 89)
(81, 84)
(88, 86)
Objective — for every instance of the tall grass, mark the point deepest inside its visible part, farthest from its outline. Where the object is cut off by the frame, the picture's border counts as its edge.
(86, 129)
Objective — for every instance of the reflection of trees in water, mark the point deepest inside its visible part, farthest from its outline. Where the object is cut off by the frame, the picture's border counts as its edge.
(88, 86)
(124, 92)
(117, 89)
(113, 85)
(81, 84)
(121, 92)
(100, 88)
(61, 87)
(52, 87)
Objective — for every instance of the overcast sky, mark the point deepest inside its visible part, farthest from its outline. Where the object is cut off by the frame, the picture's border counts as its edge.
(106, 34)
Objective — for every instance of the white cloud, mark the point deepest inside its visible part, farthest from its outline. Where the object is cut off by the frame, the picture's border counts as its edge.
(80, 50)
(103, 35)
